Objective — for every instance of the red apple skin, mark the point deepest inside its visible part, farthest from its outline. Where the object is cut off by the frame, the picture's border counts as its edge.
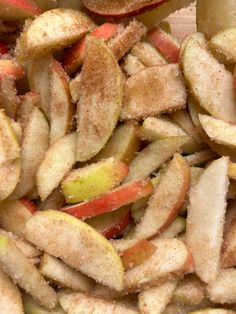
(141, 7)
(10, 68)
(3, 48)
(119, 197)
(73, 58)
(117, 228)
(163, 42)
(27, 8)
(29, 205)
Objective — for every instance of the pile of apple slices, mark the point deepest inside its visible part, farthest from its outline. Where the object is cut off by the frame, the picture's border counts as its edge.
(117, 159)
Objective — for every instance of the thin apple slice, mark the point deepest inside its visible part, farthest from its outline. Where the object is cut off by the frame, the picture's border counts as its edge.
(79, 302)
(43, 35)
(177, 226)
(167, 92)
(100, 260)
(61, 107)
(28, 102)
(223, 288)
(101, 80)
(205, 220)
(119, 197)
(39, 81)
(229, 246)
(171, 259)
(153, 156)
(219, 131)
(17, 128)
(10, 297)
(132, 65)
(31, 307)
(173, 187)
(9, 174)
(212, 311)
(199, 37)
(74, 85)
(56, 271)
(156, 299)
(94, 180)
(194, 110)
(58, 160)
(18, 9)
(54, 201)
(206, 77)
(34, 146)
(10, 68)
(8, 96)
(200, 158)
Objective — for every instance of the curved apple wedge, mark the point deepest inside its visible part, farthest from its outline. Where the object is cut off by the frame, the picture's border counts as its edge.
(83, 247)
(100, 98)
(31, 307)
(44, 34)
(206, 77)
(167, 200)
(205, 221)
(9, 174)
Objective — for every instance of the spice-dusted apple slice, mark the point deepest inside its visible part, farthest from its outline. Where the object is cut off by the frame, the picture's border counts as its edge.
(160, 213)
(212, 311)
(44, 34)
(58, 160)
(206, 77)
(167, 92)
(61, 107)
(205, 220)
(94, 180)
(9, 67)
(178, 226)
(27, 104)
(199, 37)
(34, 146)
(83, 247)
(18, 9)
(31, 307)
(132, 65)
(17, 266)
(9, 173)
(8, 96)
(201, 157)
(74, 88)
(100, 99)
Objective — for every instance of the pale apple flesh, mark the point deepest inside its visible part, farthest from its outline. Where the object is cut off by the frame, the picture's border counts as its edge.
(11, 68)
(132, 65)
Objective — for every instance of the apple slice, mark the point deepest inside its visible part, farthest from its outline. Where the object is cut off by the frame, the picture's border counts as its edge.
(165, 43)
(132, 65)
(229, 246)
(18, 9)
(212, 311)
(58, 160)
(206, 77)
(119, 197)
(173, 186)
(34, 146)
(10, 68)
(56, 271)
(55, 200)
(9, 174)
(43, 35)
(74, 57)
(194, 110)
(100, 260)
(178, 226)
(219, 131)
(205, 220)
(94, 180)
(199, 37)
(101, 80)
(74, 86)
(10, 296)
(200, 158)
(31, 307)
(80, 302)
(111, 224)
(170, 259)
(61, 107)
(17, 128)
(153, 156)
(39, 81)
(8, 96)
(147, 54)
(137, 254)
(28, 102)
(155, 300)
(122, 43)
(167, 92)
(25, 274)
(3, 48)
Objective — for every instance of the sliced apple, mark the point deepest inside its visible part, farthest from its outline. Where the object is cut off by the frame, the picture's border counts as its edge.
(159, 214)
(56, 271)
(61, 107)
(121, 44)
(194, 109)
(229, 246)
(74, 57)
(34, 146)
(18, 9)
(119, 197)
(74, 85)
(153, 156)
(165, 43)
(10, 68)
(147, 54)
(205, 220)
(79, 302)
(201, 157)
(27, 104)
(31, 307)
(88, 252)
(199, 37)
(9, 174)
(167, 92)
(100, 99)
(170, 259)
(16, 265)
(39, 81)
(17, 128)
(206, 77)
(219, 131)
(94, 180)
(55, 200)
(212, 311)
(155, 300)
(10, 297)
(43, 35)
(58, 160)
(132, 65)
(8, 96)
